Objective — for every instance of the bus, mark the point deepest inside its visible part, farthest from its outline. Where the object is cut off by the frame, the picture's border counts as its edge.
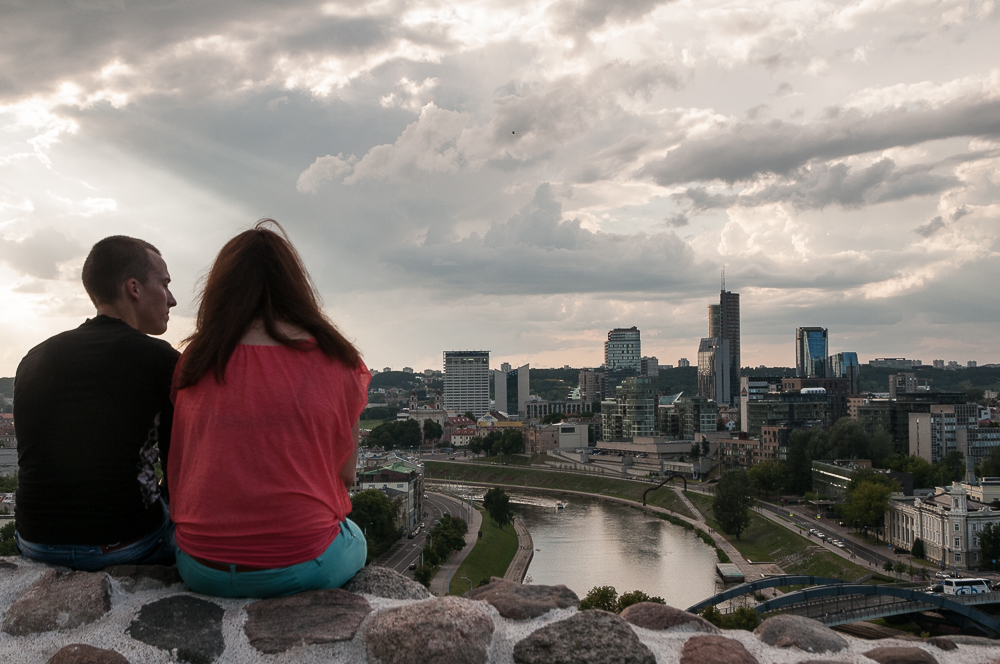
(965, 586)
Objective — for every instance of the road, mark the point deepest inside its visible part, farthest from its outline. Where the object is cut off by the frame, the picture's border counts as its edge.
(435, 506)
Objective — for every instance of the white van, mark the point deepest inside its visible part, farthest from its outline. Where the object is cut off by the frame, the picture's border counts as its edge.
(965, 586)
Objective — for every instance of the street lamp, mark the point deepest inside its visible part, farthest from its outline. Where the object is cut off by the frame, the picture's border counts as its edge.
(469, 580)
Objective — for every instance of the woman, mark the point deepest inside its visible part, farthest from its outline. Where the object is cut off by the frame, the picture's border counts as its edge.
(268, 396)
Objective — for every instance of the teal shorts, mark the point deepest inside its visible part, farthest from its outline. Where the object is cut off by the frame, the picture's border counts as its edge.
(335, 567)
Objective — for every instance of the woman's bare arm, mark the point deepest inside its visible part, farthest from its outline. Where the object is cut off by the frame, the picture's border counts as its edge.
(347, 471)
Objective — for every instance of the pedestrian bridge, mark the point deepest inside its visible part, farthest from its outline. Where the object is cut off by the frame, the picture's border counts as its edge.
(834, 602)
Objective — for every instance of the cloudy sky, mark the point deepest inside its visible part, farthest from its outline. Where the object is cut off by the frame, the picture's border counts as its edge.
(521, 176)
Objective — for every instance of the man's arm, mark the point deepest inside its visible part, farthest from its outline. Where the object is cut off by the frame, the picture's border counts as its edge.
(348, 470)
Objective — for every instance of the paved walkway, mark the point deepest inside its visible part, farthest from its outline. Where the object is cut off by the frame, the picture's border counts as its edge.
(526, 551)
(751, 571)
(445, 575)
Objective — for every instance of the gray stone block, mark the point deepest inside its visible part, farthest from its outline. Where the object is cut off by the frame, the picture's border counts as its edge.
(521, 602)
(387, 583)
(789, 631)
(662, 617)
(317, 616)
(59, 600)
(191, 626)
(81, 653)
(446, 630)
(715, 650)
(901, 655)
(589, 637)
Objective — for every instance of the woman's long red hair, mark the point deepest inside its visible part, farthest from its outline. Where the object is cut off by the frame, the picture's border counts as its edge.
(257, 275)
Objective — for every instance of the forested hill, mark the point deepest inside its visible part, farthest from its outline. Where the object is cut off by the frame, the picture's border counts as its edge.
(876, 379)
(7, 387)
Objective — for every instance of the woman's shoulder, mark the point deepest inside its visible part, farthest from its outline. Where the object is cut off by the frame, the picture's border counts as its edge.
(257, 335)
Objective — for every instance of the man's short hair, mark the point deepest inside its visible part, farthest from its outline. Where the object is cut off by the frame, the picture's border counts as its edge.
(112, 262)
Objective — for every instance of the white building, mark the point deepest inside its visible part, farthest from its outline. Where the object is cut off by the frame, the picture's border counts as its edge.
(622, 350)
(948, 523)
(467, 381)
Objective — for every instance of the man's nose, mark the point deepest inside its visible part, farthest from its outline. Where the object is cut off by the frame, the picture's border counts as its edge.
(171, 302)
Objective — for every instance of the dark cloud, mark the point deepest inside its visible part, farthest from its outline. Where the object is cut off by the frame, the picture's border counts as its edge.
(930, 228)
(39, 254)
(744, 151)
(578, 17)
(676, 220)
(222, 44)
(536, 252)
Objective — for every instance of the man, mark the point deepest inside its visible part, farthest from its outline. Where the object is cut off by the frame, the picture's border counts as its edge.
(91, 407)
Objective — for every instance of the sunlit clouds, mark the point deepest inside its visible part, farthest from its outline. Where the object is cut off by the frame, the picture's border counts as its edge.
(522, 176)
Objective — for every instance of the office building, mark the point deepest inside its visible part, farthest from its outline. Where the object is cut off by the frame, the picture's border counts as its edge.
(836, 390)
(938, 364)
(714, 321)
(685, 417)
(510, 389)
(650, 367)
(753, 388)
(797, 409)
(902, 383)
(893, 415)
(682, 363)
(622, 350)
(845, 365)
(591, 388)
(714, 370)
(729, 329)
(935, 433)
(810, 351)
(632, 412)
(467, 381)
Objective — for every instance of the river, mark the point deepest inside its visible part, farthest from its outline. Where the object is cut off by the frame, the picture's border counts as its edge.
(594, 542)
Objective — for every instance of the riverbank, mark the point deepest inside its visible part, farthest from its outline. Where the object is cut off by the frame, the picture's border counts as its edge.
(532, 478)
(491, 555)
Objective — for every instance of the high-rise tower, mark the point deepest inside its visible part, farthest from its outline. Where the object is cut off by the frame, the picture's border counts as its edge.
(622, 350)
(810, 351)
(467, 381)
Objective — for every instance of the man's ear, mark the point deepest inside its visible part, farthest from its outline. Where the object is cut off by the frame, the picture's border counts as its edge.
(132, 290)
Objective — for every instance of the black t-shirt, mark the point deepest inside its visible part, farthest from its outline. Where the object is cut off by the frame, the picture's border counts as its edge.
(90, 406)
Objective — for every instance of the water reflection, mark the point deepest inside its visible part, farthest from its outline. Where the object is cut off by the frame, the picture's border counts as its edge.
(595, 543)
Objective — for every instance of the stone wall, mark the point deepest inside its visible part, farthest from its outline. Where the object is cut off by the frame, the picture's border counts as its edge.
(133, 615)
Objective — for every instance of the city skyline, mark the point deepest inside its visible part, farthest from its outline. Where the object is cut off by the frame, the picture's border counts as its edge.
(522, 177)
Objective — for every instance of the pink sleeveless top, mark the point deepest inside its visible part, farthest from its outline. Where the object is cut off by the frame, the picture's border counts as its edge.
(254, 463)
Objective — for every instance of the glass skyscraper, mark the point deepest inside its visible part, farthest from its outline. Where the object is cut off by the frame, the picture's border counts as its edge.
(811, 348)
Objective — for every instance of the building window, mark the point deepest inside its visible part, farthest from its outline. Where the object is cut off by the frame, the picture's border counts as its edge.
(958, 557)
(956, 527)
(958, 542)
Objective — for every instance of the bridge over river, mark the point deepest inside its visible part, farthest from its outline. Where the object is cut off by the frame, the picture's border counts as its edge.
(834, 602)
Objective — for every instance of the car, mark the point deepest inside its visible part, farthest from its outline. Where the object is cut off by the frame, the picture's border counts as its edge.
(938, 589)
(422, 523)
(412, 534)
(413, 565)
(941, 575)
(839, 544)
(821, 536)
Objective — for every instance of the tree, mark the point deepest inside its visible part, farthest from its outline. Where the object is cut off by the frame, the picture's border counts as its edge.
(733, 501)
(553, 418)
(512, 442)
(989, 544)
(991, 464)
(432, 430)
(867, 503)
(7, 545)
(704, 448)
(950, 469)
(767, 477)
(635, 597)
(376, 516)
(918, 550)
(900, 568)
(695, 450)
(497, 503)
(888, 566)
(604, 598)
(470, 415)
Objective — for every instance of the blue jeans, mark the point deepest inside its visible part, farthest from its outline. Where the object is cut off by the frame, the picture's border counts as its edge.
(334, 567)
(156, 548)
